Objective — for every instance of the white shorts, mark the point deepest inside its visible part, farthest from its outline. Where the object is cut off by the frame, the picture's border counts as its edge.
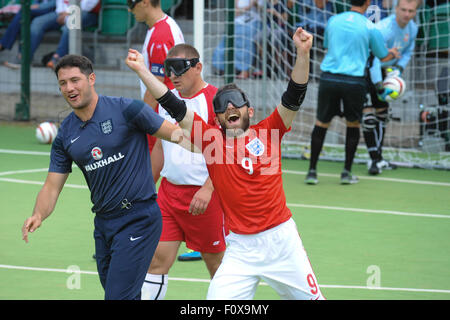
(275, 256)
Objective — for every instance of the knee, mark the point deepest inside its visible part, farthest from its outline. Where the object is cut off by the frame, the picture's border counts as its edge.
(369, 121)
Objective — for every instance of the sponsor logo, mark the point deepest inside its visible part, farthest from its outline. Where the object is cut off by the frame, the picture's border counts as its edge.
(97, 153)
(103, 162)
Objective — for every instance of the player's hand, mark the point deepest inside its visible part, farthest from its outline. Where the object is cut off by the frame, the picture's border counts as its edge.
(30, 225)
(393, 71)
(200, 201)
(387, 95)
(135, 60)
(302, 40)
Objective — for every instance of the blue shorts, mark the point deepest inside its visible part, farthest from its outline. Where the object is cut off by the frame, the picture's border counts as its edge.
(125, 242)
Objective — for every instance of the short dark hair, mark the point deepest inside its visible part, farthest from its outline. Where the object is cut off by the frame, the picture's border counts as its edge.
(357, 3)
(155, 3)
(73, 60)
(183, 49)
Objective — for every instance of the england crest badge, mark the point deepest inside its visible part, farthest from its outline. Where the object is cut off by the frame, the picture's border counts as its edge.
(106, 126)
(255, 147)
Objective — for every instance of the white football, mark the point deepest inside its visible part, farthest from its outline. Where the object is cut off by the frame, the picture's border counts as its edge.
(46, 132)
(395, 83)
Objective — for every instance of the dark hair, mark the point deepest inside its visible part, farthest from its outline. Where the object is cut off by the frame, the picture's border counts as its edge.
(357, 3)
(155, 3)
(183, 49)
(73, 60)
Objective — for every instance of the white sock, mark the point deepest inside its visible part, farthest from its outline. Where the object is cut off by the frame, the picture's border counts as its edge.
(155, 287)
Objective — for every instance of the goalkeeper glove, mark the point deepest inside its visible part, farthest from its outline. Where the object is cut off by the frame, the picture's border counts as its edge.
(385, 94)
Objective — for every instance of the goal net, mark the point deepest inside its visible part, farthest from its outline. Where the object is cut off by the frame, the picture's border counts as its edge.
(250, 48)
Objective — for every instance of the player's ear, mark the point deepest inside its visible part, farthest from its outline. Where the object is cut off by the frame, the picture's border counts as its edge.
(217, 122)
(251, 112)
(91, 79)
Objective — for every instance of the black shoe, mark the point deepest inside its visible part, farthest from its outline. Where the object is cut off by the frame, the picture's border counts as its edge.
(311, 177)
(374, 169)
(348, 178)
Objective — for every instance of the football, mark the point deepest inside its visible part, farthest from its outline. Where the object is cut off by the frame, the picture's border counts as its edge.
(394, 83)
(46, 132)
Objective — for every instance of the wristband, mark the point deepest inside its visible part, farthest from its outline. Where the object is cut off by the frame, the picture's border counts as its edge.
(294, 95)
(174, 106)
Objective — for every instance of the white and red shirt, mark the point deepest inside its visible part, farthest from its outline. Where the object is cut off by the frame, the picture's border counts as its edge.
(194, 171)
(246, 173)
(161, 37)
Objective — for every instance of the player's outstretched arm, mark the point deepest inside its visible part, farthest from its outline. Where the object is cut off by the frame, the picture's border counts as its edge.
(45, 202)
(174, 106)
(296, 90)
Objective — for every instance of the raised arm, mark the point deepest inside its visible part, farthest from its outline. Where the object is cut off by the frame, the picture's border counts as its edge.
(174, 106)
(295, 93)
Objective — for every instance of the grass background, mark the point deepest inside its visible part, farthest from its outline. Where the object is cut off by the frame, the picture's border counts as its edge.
(411, 252)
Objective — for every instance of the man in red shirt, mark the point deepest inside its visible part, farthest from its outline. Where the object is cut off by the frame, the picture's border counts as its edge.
(244, 164)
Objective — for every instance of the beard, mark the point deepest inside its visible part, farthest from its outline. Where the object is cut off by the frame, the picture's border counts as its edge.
(235, 131)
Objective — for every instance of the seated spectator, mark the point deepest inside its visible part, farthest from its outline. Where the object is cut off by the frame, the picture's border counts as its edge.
(247, 24)
(314, 15)
(89, 18)
(56, 20)
(277, 33)
(13, 30)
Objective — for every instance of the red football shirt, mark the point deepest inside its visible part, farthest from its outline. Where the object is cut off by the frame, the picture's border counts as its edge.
(246, 173)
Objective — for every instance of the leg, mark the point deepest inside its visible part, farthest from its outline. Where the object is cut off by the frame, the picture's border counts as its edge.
(130, 258)
(289, 272)
(88, 19)
(234, 279)
(212, 261)
(155, 284)
(39, 26)
(328, 106)
(351, 143)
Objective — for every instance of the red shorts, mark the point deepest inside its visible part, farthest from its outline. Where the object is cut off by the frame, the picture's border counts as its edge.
(204, 232)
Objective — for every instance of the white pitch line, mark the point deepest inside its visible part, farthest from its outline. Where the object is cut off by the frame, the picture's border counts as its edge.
(70, 271)
(333, 175)
(411, 214)
(6, 173)
(284, 171)
(32, 153)
(400, 213)
(68, 185)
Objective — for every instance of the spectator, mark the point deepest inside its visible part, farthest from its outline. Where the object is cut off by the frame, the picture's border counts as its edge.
(13, 30)
(89, 18)
(314, 15)
(349, 38)
(54, 21)
(277, 34)
(247, 24)
(400, 31)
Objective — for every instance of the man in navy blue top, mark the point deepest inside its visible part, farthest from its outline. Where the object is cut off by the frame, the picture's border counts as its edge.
(106, 138)
(349, 38)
